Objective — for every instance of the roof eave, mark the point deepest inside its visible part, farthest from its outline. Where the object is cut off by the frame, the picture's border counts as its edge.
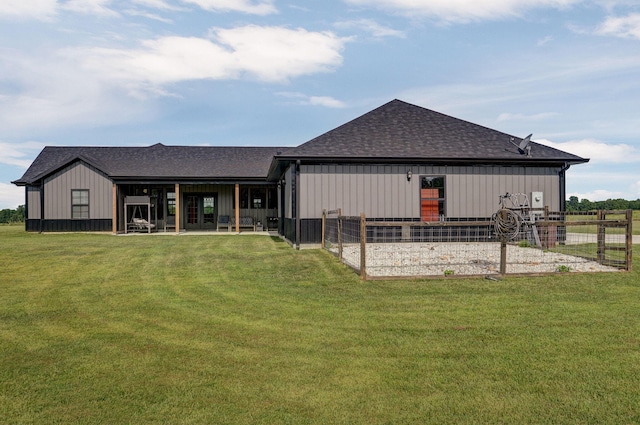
(181, 179)
(415, 160)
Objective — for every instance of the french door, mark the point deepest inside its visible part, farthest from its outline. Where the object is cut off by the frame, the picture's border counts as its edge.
(201, 210)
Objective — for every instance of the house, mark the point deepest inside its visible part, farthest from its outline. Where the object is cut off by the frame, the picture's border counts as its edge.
(399, 162)
(86, 188)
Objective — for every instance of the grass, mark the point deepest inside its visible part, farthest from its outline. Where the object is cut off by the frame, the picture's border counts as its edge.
(635, 225)
(243, 329)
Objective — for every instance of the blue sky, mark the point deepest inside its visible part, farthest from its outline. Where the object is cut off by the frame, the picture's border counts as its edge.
(277, 72)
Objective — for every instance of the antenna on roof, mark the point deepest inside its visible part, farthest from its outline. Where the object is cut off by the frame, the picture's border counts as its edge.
(524, 145)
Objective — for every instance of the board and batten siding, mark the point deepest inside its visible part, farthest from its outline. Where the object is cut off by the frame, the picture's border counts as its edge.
(58, 187)
(33, 203)
(288, 176)
(382, 191)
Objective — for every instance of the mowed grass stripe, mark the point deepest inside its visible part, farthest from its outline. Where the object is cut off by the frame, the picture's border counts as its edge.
(244, 329)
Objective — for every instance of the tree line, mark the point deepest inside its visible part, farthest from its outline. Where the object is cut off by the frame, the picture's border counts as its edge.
(575, 204)
(12, 216)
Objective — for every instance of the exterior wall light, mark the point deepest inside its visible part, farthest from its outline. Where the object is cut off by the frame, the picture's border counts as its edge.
(409, 174)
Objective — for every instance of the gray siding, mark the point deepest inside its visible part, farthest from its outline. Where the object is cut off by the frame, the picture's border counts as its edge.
(288, 176)
(58, 186)
(33, 203)
(382, 191)
(474, 191)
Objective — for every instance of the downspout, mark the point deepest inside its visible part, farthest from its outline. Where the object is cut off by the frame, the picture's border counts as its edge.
(563, 188)
(295, 198)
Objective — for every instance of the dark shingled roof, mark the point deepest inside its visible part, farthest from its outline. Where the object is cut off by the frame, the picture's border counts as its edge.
(399, 130)
(159, 162)
(394, 132)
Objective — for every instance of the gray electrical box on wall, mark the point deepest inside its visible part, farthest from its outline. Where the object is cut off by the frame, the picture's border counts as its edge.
(537, 200)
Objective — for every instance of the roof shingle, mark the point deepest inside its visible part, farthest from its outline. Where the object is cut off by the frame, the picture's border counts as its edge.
(158, 162)
(396, 131)
(399, 130)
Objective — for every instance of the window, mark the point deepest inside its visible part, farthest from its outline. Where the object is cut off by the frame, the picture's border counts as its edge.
(209, 209)
(80, 204)
(258, 198)
(171, 203)
(431, 198)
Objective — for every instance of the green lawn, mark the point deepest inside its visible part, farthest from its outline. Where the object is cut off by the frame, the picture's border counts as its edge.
(244, 329)
(635, 225)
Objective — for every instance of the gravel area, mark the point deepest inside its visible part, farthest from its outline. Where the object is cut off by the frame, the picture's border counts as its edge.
(433, 259)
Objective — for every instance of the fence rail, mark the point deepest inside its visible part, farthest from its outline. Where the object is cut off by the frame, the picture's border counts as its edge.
(547, 242)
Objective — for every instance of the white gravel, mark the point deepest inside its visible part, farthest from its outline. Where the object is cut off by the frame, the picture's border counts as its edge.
(433, 259)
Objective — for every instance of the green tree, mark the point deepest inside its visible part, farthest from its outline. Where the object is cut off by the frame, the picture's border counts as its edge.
(585, 205)
(12, 216)
(573, 203)
(18, 215)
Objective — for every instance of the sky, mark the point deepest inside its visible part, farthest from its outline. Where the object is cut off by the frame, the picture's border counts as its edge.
(279, 73)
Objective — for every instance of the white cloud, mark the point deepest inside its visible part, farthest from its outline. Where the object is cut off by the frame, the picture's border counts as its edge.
(523, 117)
(47, 9)
(90, 7)
(15, 156)
(51, 90)
(272, 54)
(259, 7)
(598, 151)
(327, 101)
(27, 9)
(11, 196)
(157, 4)
(303, 99)
(600, 182)
(626, 26)
(598, 195)
(134, 12)
(546, 40)
(88, 87)
(372, 27)
(463, 10)
(19, 155)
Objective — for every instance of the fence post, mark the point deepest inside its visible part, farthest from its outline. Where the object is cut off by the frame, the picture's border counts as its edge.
(629, 238)
(324, 216)
(363, 246)
(339, 234)
(503, 247)
(601, 238)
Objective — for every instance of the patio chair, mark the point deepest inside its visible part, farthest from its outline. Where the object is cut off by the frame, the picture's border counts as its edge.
(223, 221)
(170, 222)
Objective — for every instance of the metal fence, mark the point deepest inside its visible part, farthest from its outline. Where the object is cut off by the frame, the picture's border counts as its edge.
(540, 242)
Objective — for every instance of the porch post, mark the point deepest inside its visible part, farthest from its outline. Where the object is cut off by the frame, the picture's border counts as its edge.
(177, 208)
(114, 209)
(237, 208)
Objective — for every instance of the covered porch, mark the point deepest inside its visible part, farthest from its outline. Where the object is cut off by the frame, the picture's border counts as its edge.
(195, 207)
